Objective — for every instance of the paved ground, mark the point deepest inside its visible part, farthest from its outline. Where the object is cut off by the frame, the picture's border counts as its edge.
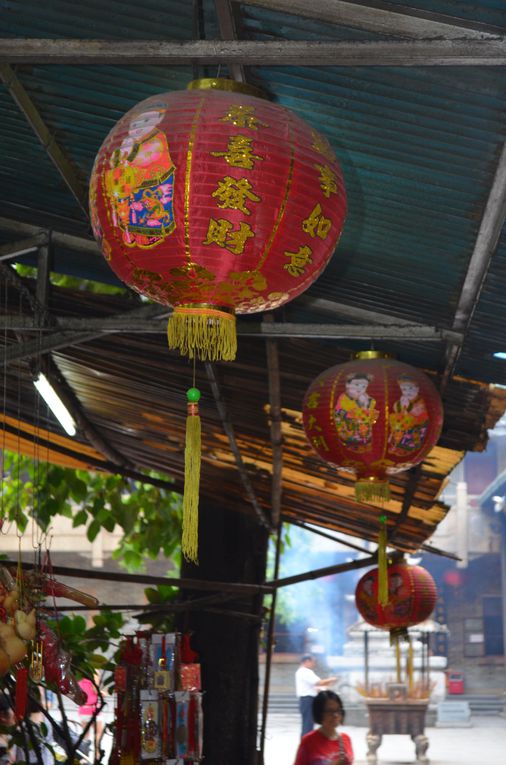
(482, 744)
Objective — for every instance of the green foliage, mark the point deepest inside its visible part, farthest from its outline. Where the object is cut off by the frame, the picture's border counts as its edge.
(149, 517)
(286, 601)
(160, 596)
(91, 648)
(73, 282)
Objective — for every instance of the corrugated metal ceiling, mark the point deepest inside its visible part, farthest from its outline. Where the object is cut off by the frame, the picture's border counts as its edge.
(419, 147)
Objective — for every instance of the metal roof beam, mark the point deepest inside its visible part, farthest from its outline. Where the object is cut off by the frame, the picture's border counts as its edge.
(227, 22)
(462, 52)
(491, 225)
(43, 319)
(47, 139)
(77, 331)
(80, 243)
(353, 312)
(383, 17)
(21, 247)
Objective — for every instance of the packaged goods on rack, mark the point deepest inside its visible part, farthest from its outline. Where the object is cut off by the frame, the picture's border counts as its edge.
(158, 702)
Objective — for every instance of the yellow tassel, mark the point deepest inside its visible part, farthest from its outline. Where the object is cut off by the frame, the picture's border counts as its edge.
(382, 563)
(410, 669)
(190, 536)
(398, 660)
(203, 332)
(371, 489)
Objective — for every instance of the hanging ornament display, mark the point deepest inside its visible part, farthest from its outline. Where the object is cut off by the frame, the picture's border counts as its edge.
(412, 596)
(374, 417)
(216, 202)
(158, 715)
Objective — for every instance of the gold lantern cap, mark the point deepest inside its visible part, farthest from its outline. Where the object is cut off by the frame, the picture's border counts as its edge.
(222, 83)
(372, 355)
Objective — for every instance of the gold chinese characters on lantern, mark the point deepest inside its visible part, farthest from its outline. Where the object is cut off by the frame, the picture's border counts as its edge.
(216, 202)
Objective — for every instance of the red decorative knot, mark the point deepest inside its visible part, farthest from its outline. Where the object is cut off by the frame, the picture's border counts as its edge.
(192, 409)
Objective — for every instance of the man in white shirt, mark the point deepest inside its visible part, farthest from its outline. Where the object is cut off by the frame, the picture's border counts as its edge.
(307, 685)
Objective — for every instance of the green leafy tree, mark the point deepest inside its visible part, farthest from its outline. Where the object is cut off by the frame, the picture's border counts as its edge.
(149, 517)
(91, 649)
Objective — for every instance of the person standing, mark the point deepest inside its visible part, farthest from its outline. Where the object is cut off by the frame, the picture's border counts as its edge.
(325, 745)
(89, 712)
(307, 685)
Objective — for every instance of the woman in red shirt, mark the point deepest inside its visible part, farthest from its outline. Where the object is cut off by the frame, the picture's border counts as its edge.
(324, 745)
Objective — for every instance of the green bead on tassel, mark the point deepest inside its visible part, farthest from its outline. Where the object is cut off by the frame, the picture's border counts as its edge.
(382, 563)
(192, 456)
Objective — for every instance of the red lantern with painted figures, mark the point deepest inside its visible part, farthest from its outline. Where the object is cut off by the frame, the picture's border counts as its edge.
(216, 202)
(373, 416)
(412, 596)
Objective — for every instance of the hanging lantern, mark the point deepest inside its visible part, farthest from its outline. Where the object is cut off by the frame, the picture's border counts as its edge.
(412, 596)
(374, 417)
(216, 202)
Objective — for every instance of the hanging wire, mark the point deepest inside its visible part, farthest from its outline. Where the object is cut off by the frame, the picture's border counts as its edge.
(18, 439)
(4, 413)
(37, 533)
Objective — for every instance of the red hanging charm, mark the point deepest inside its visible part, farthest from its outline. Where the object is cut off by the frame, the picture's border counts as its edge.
(21, 698)
(188, 655)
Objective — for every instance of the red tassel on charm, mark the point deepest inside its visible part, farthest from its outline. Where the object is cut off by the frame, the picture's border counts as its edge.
(21, 698)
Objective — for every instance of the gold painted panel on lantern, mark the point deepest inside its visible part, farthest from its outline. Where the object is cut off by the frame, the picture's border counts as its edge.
(322, 146)
(222, 232)
(239, 152)
(186, 281)
(138, 184)
(234, 193)
(328, 180)
(243, 116)
(298, 261)
(316, 224)
(193, 283)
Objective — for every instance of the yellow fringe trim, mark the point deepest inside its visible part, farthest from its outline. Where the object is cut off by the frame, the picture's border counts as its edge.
(372, 490)
(207, 333)
(382, 565)
(190, 536)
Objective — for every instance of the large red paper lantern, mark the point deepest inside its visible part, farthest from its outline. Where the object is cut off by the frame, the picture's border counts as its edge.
(216, 202)
(373, 416)
(412, 596)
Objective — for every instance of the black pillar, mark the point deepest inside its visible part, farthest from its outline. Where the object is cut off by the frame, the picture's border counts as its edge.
(232, 548)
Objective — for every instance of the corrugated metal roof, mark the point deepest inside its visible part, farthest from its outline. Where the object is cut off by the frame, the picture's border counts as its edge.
(419, 148)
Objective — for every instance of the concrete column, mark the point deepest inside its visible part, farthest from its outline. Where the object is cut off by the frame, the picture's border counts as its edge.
(503, 580)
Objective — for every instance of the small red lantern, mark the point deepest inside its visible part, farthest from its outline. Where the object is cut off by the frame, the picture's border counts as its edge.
(215, 201)
(373, 416)
(412, 596)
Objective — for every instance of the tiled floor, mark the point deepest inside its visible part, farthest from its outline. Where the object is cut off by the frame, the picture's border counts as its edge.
(482, 744)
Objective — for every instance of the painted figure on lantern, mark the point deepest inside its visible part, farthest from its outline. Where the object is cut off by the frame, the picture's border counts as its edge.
(355, 413)
(409, 419)
(140, 182)
(399, 596)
